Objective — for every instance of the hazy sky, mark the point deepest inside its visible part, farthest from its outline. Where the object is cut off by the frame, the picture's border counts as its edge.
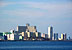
(41, 13)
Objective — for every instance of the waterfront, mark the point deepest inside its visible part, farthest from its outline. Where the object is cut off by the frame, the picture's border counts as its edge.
(36, 45)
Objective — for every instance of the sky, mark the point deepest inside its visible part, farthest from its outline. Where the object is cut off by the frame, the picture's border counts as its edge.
(40, 13)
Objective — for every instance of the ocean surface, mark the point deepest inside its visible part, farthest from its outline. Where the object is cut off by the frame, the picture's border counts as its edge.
(35, 45)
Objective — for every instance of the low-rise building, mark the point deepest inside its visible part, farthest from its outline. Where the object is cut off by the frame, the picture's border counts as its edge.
(39, 34)
(65, 36)
(46, 35)
(20, 38)
(1, 36)
(7, 35)
(43, 35)
(59, 38)
(55, 36)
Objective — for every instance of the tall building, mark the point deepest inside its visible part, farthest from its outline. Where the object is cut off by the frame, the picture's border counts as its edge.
(36, 34)
(62, 36)
(50, 32)
(31, 29)
(25, 29)
(21, 29)
(55, 36)
(26, 32)
(65, 36)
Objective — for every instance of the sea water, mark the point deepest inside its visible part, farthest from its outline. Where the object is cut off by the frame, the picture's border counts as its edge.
(35, 45)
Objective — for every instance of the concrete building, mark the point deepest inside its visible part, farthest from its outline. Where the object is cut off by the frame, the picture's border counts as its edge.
(5, 37)
(16, 36)
(39, 34)
(43, 35)
(59, 38)
(1, 36)
(62, 36)
(28, 34)
(50, 33)
(26, 30)
(31, 29)
(65, 36)
(31, 35)
(10, 36)
(46, 35)
(23, 34)
(21, 29)
(20, 38)
(55, 36)
(36, 33)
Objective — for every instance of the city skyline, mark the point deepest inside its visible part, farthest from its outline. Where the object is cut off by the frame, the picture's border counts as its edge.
(28, 32)
(41, 13)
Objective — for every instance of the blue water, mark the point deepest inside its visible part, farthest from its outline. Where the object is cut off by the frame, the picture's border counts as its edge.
(35, 45)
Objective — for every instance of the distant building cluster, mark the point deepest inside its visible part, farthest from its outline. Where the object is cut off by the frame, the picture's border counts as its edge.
(30, 33)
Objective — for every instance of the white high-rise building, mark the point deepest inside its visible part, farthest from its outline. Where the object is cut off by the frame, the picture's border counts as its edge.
(50, 33)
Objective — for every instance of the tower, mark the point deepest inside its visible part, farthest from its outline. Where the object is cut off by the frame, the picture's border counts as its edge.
(50, 33)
